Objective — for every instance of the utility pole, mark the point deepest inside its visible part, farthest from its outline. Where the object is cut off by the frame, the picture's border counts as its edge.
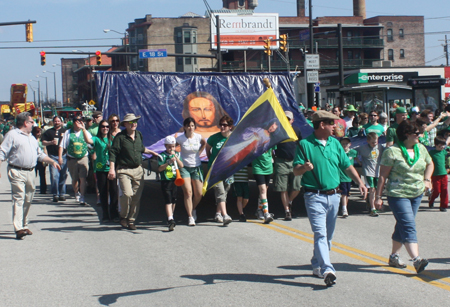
(219, 53)
(446, 49)
(341, 65)
(310, 86)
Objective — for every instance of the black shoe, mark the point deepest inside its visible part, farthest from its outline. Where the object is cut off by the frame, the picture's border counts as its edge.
(61, 198)
(105, 221)
(242, 218)
(172, 224)
(443, 209)
(288, 216)
(431, 205)
(55, 199)
(329, 279)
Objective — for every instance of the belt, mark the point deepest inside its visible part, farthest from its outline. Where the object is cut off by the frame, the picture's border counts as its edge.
(21, 168)
(327, 192)
(286, 160)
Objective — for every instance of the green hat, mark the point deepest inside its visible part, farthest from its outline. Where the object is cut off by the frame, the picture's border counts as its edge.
(351, 108)
(400, 110)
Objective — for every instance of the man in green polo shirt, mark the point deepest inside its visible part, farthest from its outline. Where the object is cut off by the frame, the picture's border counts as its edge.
(373, 125)
(391, 133)
(319, 159)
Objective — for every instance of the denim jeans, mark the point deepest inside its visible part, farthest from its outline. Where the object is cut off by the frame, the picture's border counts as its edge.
(405, 210)
(58, 178)
(322, 214)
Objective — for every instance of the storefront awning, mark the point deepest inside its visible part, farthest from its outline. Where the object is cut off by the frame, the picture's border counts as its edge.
(374, 87)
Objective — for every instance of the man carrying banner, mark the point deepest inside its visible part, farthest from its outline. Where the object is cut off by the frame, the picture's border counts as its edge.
(319, 158)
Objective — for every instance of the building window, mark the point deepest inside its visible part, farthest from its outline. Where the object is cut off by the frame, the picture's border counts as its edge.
(349, 35)
(179, 61)
(188, 60)
(402, 53)
(194, 37)
(187, 36)
(179, 39)
(390, 36)
(391, 54)
(350, 55)
(401, 34)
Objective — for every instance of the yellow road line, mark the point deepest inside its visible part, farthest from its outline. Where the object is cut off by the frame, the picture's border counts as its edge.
(361, 255)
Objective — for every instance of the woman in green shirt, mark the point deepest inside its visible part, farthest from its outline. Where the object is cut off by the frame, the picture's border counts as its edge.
(106, 187)
(409, 167)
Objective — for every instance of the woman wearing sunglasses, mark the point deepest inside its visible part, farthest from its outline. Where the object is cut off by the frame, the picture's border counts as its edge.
(102, 143)
(409, 167)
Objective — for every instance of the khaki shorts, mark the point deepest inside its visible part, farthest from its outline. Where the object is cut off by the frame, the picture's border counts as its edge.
(220, 192)
(195, 173)
(78, 168)
(284, 179)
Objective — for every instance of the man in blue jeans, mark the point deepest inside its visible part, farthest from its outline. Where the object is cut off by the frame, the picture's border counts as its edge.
(319, 158)
(51, 139)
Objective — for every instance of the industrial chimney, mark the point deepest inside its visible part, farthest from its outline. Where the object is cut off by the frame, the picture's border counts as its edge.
(359, 8)
(300, 8)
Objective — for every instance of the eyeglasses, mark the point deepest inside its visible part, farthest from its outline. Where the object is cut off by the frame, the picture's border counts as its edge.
(329, 122)
(96, 116)
(224, 125)
(115, 120)
(373, 115)
(133, 122)
(106, 127)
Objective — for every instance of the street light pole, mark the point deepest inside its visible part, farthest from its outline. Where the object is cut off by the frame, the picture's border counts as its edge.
(62, 84)
(46, 88)
(39, 98)
(125, 42)
(54, 84)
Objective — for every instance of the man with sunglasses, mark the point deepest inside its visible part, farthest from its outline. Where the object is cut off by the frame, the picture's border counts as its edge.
(21, 150)
(319, 159)
(125, 159)
(373, 125)
(97, 117)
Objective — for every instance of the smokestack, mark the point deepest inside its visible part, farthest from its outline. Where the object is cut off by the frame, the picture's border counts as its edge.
(359, 8)
(300, 8)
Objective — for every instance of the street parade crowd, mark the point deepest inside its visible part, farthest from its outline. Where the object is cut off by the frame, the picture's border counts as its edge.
(401, 161)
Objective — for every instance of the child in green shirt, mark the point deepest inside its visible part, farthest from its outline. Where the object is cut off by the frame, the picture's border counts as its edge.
(439, 177)
(345, 184)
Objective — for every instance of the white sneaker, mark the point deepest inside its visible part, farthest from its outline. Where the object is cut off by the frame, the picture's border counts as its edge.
(77, 197)
(259, 214)
(268, 217)
(191, 221)
(194, 214)
(344, 213)
(218, 218)
(226, 220)
(316, 272)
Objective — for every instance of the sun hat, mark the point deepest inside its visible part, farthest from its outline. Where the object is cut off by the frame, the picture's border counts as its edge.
(129, 117)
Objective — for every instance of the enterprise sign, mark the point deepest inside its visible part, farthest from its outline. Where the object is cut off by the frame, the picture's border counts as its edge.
(241, 32)
(379, 77)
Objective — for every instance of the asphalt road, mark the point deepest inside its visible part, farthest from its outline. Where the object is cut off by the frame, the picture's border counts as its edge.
(72, 260)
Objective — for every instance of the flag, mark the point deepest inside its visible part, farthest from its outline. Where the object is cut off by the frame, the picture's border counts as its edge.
(263, 126)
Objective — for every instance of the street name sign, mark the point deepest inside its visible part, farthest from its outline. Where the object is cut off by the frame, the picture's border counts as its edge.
(152, 53)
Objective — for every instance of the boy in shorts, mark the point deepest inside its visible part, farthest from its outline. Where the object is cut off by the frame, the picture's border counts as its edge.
(345, 184)
(439, 177)
(370, 158)
(241, 191)
(167, 169)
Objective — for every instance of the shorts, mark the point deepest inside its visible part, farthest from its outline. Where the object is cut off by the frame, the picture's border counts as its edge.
(241, 190)
(262, 179)
(345, 188)
(220, 192)
(78, 168)
(372, 182)
(195, 173)
(169, 191)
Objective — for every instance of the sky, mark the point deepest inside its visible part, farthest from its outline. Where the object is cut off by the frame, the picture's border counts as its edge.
(79, 25)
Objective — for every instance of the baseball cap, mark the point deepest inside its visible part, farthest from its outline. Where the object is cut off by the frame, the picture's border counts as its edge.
(169, 140)
(289, 114)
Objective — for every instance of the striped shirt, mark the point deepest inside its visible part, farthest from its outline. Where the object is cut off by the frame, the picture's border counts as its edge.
(241, 175)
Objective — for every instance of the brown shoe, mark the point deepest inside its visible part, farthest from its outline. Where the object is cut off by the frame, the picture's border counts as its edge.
(20, 234)
(124, 222)
(131, 226)
(28, 232)
(288, 216)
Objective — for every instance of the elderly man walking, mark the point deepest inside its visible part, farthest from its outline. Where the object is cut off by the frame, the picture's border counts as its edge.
(319, 159)
(125, 157)
(21, 150)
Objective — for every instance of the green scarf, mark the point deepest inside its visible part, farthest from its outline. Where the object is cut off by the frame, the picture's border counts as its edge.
(408, 159)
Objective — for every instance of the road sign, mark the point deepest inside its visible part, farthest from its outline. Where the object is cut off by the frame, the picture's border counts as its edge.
(317, 87)
(152, 53)
(312, 76)
(92, 102)
(312, 61)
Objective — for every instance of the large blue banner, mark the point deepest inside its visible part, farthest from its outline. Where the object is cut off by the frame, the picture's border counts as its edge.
(164, 100)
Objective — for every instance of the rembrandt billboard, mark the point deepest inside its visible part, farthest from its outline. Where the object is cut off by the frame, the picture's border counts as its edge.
(240, 32)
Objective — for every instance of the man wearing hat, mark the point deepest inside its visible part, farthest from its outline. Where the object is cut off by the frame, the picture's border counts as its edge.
(319, 159)
(391, 134)
(309, 114)
(284, 179)
(97, 117)
(351, 112)
(125, 158)
(77, 156)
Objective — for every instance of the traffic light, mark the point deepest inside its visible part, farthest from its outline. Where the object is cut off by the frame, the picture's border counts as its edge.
(29, 32)
(267, 47)
(42, 53)
(98, 56)
(283, 42)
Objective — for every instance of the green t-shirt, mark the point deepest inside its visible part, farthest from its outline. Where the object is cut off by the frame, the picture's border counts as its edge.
(405, 181)
(170, 172)
(438, 157)
(263, 164)
(391, 133)
(93, 130)
(216, 142)
(327, 161)
(102, 151)
(378, 129)
(424, 139)
(351, 154)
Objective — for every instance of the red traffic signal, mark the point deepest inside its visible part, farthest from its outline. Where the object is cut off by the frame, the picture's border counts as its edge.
(43, 60)
(98, 56)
